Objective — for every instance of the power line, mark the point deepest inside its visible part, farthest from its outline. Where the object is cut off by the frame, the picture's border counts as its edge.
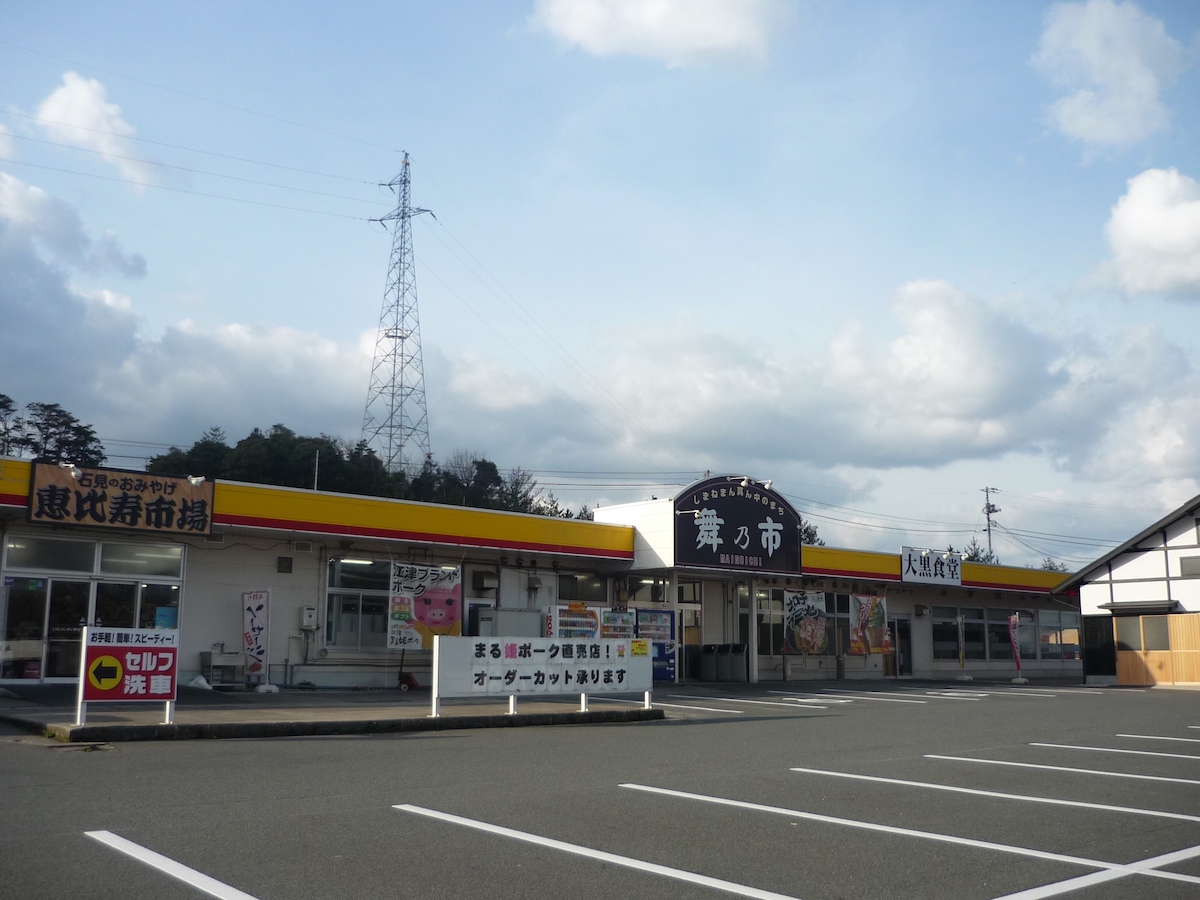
(161, 87)
(151, 162)
(177, 190)
(142, 140)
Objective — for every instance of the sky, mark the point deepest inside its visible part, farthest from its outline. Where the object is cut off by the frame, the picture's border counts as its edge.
(883, 254)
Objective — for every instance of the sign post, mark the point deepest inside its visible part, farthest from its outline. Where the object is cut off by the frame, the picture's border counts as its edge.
(134, 665)
(962, 650)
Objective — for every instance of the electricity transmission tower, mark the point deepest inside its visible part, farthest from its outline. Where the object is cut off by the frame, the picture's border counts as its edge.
(395, 423)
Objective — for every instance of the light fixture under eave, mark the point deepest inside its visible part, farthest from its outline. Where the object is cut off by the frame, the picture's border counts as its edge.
(195, 480)
(357, 562)
(745, 482)
(767, 484)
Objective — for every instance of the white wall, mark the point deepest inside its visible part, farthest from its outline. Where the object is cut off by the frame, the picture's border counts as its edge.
(654, 537)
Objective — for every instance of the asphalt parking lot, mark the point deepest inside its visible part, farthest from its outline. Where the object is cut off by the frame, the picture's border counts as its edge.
(817, 792)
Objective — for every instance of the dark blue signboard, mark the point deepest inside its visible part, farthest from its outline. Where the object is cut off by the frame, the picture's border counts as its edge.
(735, 522)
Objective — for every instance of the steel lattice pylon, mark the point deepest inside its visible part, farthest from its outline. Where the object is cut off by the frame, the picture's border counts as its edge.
(396, 424)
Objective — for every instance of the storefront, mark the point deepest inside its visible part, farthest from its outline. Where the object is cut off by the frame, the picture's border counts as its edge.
(725, 554)
(301, 587)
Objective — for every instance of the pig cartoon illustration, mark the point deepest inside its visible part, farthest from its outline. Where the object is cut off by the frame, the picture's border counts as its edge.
(438, 610)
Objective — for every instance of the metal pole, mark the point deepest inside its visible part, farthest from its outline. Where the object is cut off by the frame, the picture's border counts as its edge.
(583, 707)
(512, 704)
(80, 704)
(170, 719)
(646, 702)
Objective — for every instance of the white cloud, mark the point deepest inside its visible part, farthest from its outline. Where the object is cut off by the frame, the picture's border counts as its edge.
(679, 32)
(1154, 233)
(29, 214)
(78, 113)
(1113, 61)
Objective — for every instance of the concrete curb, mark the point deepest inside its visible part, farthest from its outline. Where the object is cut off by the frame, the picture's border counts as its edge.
(217, 730)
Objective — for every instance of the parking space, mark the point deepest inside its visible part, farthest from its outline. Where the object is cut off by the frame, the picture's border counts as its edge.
(773, 791)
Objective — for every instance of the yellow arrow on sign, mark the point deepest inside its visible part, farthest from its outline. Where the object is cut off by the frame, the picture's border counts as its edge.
(105, 673)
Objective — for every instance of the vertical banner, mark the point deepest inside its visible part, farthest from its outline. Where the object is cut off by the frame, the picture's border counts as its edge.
(962, 644)
(868, 625)
(1013, 622)
(804, 622)
(256, 632)
(425, 600)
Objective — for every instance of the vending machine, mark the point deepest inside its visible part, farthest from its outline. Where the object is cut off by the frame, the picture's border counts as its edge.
(618, 624)
(658, 627)
(575, 620)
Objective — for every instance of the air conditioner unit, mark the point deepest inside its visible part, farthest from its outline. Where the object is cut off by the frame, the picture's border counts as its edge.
(484, 581)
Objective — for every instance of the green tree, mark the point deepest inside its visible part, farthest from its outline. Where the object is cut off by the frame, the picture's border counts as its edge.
(51, 434)
(1050, 564)
(978, 554)
(809, 536)
(10, 426)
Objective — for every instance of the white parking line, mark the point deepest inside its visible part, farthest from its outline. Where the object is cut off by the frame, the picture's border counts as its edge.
(732, 712)
(740, 700)
(868, 695)
(981, 793)
(949, 695)
(1114, 750)
(1091, 693)
(198, 880)
(810, 698)
(628, 862)
(1074, 884)
(1160, 737)
(1022, 765)
(924, 835)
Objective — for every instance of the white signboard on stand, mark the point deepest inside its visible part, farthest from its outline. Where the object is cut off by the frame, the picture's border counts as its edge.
(483, 666)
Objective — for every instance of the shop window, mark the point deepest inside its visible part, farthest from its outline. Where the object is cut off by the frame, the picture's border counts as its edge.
(361, 574)
(1129, 633)
(159, 606)
(1155, 633)
(341, 621)
(1070, 635)
(1050, 634)
(24, 624)
(26, 552)
(373, 622)
(582, 589)
(283, 565)
(146, 560)
(945, 633)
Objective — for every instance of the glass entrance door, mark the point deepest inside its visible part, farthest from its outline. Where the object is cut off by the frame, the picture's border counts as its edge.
(69, 601)
(899, 663)
(116, 605)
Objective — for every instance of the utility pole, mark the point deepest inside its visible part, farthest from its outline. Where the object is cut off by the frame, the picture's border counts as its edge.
(989, 509)
(395, 423)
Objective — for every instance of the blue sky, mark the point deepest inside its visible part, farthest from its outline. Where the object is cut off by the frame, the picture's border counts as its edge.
(883, 253)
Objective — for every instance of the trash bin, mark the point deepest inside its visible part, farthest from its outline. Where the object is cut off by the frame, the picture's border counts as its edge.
(724, 673)
(691, 661)
(738, 659)
(841, 668)
(708, 662)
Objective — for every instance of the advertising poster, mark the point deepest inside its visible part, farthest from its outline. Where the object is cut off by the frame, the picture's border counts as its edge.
(256, 623)
(804, 622)
(425, 600)
(1014, 622)
(868, 625)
